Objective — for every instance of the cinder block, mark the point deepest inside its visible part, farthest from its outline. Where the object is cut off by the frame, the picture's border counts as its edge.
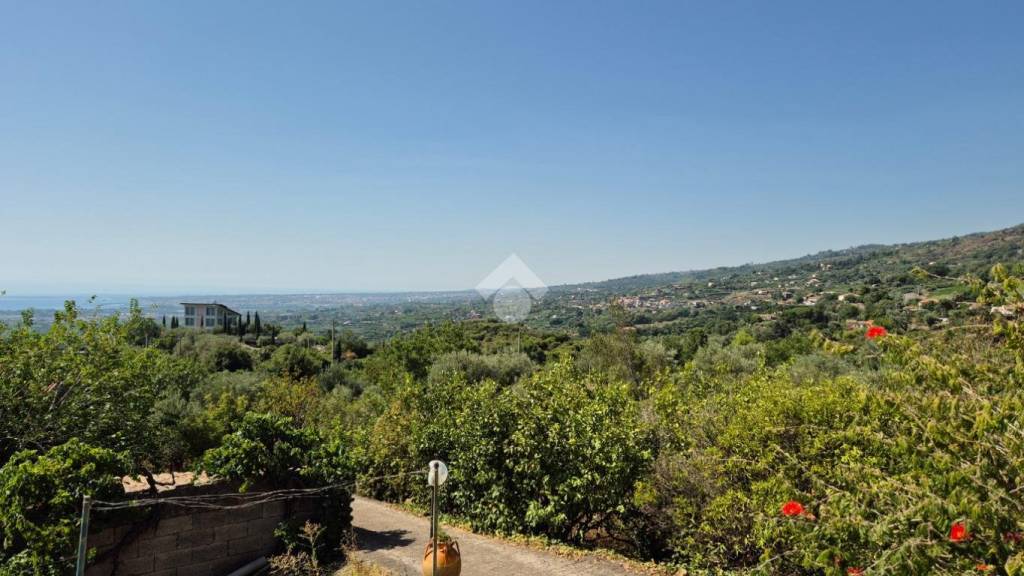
(263, 527)
(246, 514)
(135, 566)
(195, 537)
(215, 551)
(229, 532)
(248, 545)
(303, 506)
(209, 519)
(101, 569)
(129, 550)
(171, 560)
(274, 510)
(201, 569)
(103, 538)
(159, 544)
(173, 525)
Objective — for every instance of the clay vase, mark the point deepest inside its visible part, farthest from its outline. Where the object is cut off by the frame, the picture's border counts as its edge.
(449, 559)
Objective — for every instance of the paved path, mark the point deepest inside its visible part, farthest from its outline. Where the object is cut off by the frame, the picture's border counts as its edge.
(396, 540)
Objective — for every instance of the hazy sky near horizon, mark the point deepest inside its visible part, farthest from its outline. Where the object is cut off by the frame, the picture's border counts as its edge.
(326, 146)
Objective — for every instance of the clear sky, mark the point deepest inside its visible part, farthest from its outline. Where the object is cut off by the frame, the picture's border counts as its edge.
(289, 146)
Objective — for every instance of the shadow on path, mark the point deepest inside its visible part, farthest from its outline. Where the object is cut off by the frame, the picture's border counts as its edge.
(382, 540)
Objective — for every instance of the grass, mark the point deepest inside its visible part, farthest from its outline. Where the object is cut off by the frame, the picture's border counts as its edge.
(356, 567)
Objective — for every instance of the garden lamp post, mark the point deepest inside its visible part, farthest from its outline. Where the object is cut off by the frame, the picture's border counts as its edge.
(437, 473)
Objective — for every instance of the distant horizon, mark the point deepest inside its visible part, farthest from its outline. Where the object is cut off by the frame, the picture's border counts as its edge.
(129, 294)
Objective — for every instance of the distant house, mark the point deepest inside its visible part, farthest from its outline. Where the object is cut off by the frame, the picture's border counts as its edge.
(210, 315)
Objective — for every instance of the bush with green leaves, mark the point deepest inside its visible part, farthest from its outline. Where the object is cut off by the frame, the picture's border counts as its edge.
(83, 379)
(908, 462)
(40, 502)
(269, 450)
(551, 455)
(265, 448)
(296, 362)
(503, 368)
(215, 352)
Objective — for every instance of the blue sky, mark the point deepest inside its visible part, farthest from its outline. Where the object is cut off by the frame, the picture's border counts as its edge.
(257, 146)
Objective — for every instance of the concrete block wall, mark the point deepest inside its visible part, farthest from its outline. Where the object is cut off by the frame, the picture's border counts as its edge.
(193, 542)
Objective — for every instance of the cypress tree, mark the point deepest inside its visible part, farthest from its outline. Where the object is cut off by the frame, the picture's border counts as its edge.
(164, 321)
(259, 327)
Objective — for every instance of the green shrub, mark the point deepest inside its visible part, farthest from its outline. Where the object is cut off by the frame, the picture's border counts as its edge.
(503, 368)
(82, 379)
(40, 500)
(215, 352)
(295, 362)
(264, 447)
(268, 449)
(552, 455)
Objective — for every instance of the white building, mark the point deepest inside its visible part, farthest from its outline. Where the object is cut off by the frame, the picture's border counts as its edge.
(210, 315)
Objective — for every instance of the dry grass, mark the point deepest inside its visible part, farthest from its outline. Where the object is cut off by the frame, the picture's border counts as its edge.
(356, 567)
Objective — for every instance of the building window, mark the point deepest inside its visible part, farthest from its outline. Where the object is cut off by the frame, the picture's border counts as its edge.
(190, 321)
(190, 310)
(211, 310)
(210, 322)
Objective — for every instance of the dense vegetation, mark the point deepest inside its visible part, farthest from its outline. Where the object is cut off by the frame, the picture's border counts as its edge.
(872, 434)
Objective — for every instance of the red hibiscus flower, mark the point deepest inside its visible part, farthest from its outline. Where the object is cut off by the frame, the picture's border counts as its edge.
(983, 567)
(855, 572)
(792, 508)
(875, 332)
(958, 532)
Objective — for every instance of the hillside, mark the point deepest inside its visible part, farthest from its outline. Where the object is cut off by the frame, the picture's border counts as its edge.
(872, 280)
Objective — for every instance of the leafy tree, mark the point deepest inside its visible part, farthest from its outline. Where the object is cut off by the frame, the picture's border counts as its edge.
(295, 362)
(552, 455)
(349, 345)
(40, 499)
(270, 450)
(81, 379)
